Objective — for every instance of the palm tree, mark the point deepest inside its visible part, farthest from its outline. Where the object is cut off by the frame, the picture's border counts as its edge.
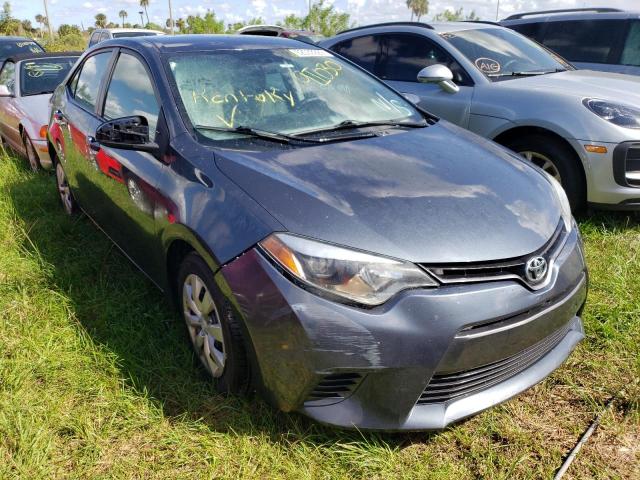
(418, 8)
(144, 4)
(180, 24)
(101, 20)
(123, 14)
(40, 21)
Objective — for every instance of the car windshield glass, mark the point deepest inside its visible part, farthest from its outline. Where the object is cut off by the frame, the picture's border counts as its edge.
(8, 48)
(286, 91)
(133, 34)
(501, 53)
(43, 75)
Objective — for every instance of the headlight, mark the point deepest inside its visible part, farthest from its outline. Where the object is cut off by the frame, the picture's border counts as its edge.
(621, 115)
(357, 276)
(563, 201)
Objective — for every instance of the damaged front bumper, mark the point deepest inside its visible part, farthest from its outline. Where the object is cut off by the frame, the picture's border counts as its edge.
(425, 359)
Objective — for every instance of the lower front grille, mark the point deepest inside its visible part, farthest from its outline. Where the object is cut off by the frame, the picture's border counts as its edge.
(443, 388)
(626, 164)
(334, 387)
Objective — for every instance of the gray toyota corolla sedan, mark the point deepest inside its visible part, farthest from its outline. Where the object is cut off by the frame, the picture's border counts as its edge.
(327, 243)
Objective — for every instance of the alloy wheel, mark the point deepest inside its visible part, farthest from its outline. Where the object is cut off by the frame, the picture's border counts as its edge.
(203, 323)
(544, 162)
(63, 189)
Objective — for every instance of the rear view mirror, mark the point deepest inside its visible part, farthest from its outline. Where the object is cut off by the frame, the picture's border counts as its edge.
(439, 74)
(128, 133)
(5, 92)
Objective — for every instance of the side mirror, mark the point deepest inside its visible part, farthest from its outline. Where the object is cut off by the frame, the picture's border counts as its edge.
(127, 133)
(439, 74)
(5, 92)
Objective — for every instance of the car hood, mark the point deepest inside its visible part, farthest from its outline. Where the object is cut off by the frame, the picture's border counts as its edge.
(35, 108)
(434, 195)
(582, 83)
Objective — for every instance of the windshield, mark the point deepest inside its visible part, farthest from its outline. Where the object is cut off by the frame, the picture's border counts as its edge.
(134, 34)
(286, 91)
(43, 75)
(502, 53)
(8, 48)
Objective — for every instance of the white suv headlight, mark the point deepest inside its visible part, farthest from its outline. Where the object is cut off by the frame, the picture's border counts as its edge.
(357, 276)
(620, 115)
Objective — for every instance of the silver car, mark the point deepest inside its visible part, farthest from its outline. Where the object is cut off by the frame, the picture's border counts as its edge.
(26, 84)
(582, 127)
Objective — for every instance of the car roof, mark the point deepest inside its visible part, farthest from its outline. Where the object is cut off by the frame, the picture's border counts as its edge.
(16, 39)
(561, 15)
(31, 56)
(194, 43)
(128, 30)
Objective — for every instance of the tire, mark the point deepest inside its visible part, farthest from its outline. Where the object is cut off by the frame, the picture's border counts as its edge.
(216, 334)
(557, 159)
(64, 191)
(31, 154)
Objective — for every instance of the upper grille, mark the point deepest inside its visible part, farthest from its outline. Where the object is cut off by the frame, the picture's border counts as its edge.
(499, 270)
(443, 388)
(335, 386)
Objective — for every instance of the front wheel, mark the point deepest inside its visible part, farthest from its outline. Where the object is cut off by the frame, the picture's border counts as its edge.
(64, 191)
(32, 156)
(558, 160)
(215, 333)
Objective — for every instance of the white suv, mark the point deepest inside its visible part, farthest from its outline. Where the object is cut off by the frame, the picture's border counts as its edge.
(102, 34)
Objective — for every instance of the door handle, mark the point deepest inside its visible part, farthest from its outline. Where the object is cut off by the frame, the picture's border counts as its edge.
(59, 118)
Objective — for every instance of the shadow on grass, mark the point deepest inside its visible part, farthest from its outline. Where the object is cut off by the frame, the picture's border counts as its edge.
(127, 316)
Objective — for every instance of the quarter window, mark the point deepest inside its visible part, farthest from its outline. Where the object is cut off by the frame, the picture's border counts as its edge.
(363, 51)
(8, 76)
(88, 82)
(131, 92)
(631, 52)
(588, 41)
(403, 56)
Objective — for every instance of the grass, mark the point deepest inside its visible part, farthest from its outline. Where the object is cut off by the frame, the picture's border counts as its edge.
(97, 379)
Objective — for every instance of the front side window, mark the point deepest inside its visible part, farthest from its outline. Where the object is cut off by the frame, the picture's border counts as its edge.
(501, 53)
(88, 81)
(43, 75)
(8, 76)
(131, 92)
(588, 41)
(282, 90)
(631, 51)
(363, 51)
(404, 55)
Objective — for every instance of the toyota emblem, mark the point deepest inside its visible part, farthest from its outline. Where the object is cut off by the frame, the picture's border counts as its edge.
(536, 269)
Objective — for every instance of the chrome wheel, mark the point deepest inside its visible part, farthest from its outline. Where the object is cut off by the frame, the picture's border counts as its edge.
(63, 189)
(543, 162)
(203, 323)
(32, 156)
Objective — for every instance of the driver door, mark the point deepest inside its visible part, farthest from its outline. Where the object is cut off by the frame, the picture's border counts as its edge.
(403, 55)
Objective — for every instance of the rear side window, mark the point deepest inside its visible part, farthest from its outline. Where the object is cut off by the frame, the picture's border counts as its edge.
(87, 85)
(590, 41)
(531, 30)
(131, 92)
(631, 51)
(404, 55)
(363, 51)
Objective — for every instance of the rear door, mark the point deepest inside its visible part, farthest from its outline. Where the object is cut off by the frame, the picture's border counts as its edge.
(126, 199)
(9, 115)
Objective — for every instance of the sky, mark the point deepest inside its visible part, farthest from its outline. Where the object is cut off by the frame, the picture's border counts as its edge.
(81, 12)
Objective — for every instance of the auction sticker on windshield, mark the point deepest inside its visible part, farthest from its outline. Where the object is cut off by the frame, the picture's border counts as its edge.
(488, 65)
(309, 52)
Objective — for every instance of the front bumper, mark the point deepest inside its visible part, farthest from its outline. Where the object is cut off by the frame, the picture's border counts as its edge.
(42, 150)
(373, 369)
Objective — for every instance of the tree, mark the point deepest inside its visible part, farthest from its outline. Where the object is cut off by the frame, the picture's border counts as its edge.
(181, 24)
(144, 4)
(101, 20)
(64, 30)
(207, 24)
(323, 19)
(27, 28)
(418, 8)
(455, 16)
(123, 14)
(8, 24)
(40, 21)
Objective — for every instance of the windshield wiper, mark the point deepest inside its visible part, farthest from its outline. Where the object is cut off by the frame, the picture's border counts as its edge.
(259, 133)
(530, 73)
(347, 124)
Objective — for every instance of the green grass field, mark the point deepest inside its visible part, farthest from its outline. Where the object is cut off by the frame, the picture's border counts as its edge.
(97, 379)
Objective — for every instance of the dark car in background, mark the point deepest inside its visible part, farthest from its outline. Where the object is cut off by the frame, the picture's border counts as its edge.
(278, 31)
(326, 242)
(16, 45)
(27, 81)
(604, 39)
